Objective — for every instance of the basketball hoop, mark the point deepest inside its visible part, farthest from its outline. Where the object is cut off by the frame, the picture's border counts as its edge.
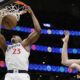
(4, 3)
(17, 8)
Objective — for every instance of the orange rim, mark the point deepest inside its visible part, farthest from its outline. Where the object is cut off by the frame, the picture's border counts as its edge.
(21, 3)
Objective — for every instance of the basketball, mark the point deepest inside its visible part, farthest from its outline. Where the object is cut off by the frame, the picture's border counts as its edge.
(9, 21)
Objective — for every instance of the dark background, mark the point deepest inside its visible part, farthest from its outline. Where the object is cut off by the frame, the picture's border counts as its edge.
(65, 13)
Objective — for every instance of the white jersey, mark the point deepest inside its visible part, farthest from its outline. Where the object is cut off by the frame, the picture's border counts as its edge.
(16, 57)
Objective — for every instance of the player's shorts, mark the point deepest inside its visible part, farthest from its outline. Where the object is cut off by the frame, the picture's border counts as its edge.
(17, 76)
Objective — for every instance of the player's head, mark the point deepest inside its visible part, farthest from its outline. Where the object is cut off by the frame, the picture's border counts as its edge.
(16, 39)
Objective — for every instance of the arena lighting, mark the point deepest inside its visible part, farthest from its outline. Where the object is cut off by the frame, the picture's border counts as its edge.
(51, 68)
(46, 68)
(45, 31)
(53, 50)
(46, 24)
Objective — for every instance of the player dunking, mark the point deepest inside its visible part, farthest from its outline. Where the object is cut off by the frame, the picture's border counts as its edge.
(17, 54)
(72, 63)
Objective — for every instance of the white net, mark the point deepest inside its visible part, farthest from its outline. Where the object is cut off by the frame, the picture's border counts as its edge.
(14, 9)
(1, 0)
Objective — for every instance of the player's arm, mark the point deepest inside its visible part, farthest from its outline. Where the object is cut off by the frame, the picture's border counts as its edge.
(64, 56)
(3, 44)
(37, 30)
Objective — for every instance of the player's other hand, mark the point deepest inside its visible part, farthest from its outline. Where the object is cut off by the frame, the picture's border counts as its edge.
(66, 38)
(30, 10)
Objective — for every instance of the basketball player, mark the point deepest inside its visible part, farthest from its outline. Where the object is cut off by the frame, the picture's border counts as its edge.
(72, 63)
(17, 54)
